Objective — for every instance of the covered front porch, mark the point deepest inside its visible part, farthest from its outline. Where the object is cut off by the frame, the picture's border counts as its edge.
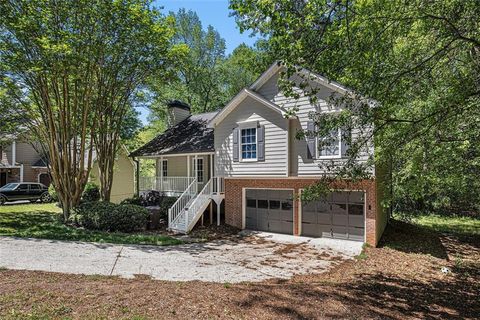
(175, 173)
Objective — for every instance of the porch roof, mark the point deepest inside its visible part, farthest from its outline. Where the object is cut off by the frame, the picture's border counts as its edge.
(189, 136)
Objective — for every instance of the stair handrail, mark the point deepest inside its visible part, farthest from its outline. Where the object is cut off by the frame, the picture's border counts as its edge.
(202, 197)
(182, 201)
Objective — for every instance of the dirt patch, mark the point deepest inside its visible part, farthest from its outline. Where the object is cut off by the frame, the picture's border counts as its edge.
(395, 281)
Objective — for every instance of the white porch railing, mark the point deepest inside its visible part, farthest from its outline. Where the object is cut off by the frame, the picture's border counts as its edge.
(167, 184)
(182, 202)
(218, 185)
(194, 209)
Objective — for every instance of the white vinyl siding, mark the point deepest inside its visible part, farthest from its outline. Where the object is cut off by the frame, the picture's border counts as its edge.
(276, 128)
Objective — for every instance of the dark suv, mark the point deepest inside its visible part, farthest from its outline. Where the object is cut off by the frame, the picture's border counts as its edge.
(24, 191)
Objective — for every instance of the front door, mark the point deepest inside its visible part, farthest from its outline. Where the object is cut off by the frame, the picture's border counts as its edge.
(200, 172)
(3, 179)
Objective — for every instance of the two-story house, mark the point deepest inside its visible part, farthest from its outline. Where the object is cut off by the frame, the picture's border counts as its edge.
(248, 157)
(22, 161)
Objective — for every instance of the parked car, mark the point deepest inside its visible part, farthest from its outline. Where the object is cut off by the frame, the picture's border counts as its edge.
(24, 191)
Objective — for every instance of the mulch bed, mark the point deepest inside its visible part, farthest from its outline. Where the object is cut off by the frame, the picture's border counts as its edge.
(400, 280)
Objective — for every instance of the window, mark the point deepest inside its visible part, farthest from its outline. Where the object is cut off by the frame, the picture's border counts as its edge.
(22, 187)
(34, 187)
(275, 204)
(248, 144)
(331, 145)
(262, 204)
(200, 170)
(251, 203)
(165, 168)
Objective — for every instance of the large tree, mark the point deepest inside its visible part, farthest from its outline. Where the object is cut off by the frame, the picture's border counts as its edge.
(420, 61)
(136, 45)
(197, 81)
(68, 66)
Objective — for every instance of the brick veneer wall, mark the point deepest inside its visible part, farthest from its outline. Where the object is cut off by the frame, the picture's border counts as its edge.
(234, 198)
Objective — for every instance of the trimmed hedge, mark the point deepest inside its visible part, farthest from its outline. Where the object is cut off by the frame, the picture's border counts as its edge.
(106, 216)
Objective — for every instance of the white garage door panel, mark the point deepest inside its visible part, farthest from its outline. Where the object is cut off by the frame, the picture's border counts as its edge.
(340, 215)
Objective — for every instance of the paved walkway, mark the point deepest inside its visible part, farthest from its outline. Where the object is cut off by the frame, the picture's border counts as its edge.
(251, 258)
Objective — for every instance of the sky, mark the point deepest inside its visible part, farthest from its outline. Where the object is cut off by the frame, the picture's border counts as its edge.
(211, 12)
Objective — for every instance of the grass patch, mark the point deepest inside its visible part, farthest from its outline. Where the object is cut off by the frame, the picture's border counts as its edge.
(460, 225)
(40, 221)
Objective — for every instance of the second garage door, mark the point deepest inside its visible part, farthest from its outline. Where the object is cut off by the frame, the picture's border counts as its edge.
(269, 210)
(340, 215)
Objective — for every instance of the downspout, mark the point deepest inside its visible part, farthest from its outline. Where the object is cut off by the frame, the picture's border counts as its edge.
(137, 176)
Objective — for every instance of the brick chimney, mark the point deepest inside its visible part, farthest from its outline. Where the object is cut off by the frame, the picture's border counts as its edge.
(177, 112)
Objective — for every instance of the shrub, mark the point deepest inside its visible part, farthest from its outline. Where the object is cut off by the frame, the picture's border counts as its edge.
(135, 200)
(131, 218)
(53, 193)
(151, 198)
(91, 193)
(166, 204)
(106, 216)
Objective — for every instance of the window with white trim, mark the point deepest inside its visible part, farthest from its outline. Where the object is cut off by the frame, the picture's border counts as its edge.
(248, 144)
(165, 168)
(200, 170)
(330, 146)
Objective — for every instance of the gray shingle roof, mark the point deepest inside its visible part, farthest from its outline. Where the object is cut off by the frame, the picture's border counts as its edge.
(189, 136)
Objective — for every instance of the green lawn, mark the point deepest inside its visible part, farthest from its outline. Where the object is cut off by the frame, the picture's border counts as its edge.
(40, 221)
(460, 225)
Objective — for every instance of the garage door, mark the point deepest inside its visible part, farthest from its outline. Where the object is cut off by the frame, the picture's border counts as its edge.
(269, 210)
(339, 215)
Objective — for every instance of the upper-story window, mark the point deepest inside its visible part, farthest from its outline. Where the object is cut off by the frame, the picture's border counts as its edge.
(248, 144)
(330, 147)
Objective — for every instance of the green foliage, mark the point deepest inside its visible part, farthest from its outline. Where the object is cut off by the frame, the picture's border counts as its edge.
(40, 221)
(419, 60)
(167, 203)
(455, 224)
(135, 200)
(106, 216)
(74, 69)
(206, 78)
(53, 193)
(91, 193)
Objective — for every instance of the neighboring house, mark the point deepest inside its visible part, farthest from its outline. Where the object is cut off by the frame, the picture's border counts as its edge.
(123, 186)
(22, 161)
(248, 157)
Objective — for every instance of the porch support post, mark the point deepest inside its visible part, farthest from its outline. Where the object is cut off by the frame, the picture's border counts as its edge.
(195, 165)
(14, 153)
(21, 172)
(218, 212)
(211, 166)
(188, 167)
(161, 174)
(211, 212)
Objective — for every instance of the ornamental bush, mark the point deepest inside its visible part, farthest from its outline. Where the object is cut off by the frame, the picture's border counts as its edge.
(106, 216)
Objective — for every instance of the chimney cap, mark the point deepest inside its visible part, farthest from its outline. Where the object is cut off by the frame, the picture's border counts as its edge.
(178, 104)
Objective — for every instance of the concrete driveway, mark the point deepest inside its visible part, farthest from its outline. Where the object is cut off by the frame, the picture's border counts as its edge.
(252, 257)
